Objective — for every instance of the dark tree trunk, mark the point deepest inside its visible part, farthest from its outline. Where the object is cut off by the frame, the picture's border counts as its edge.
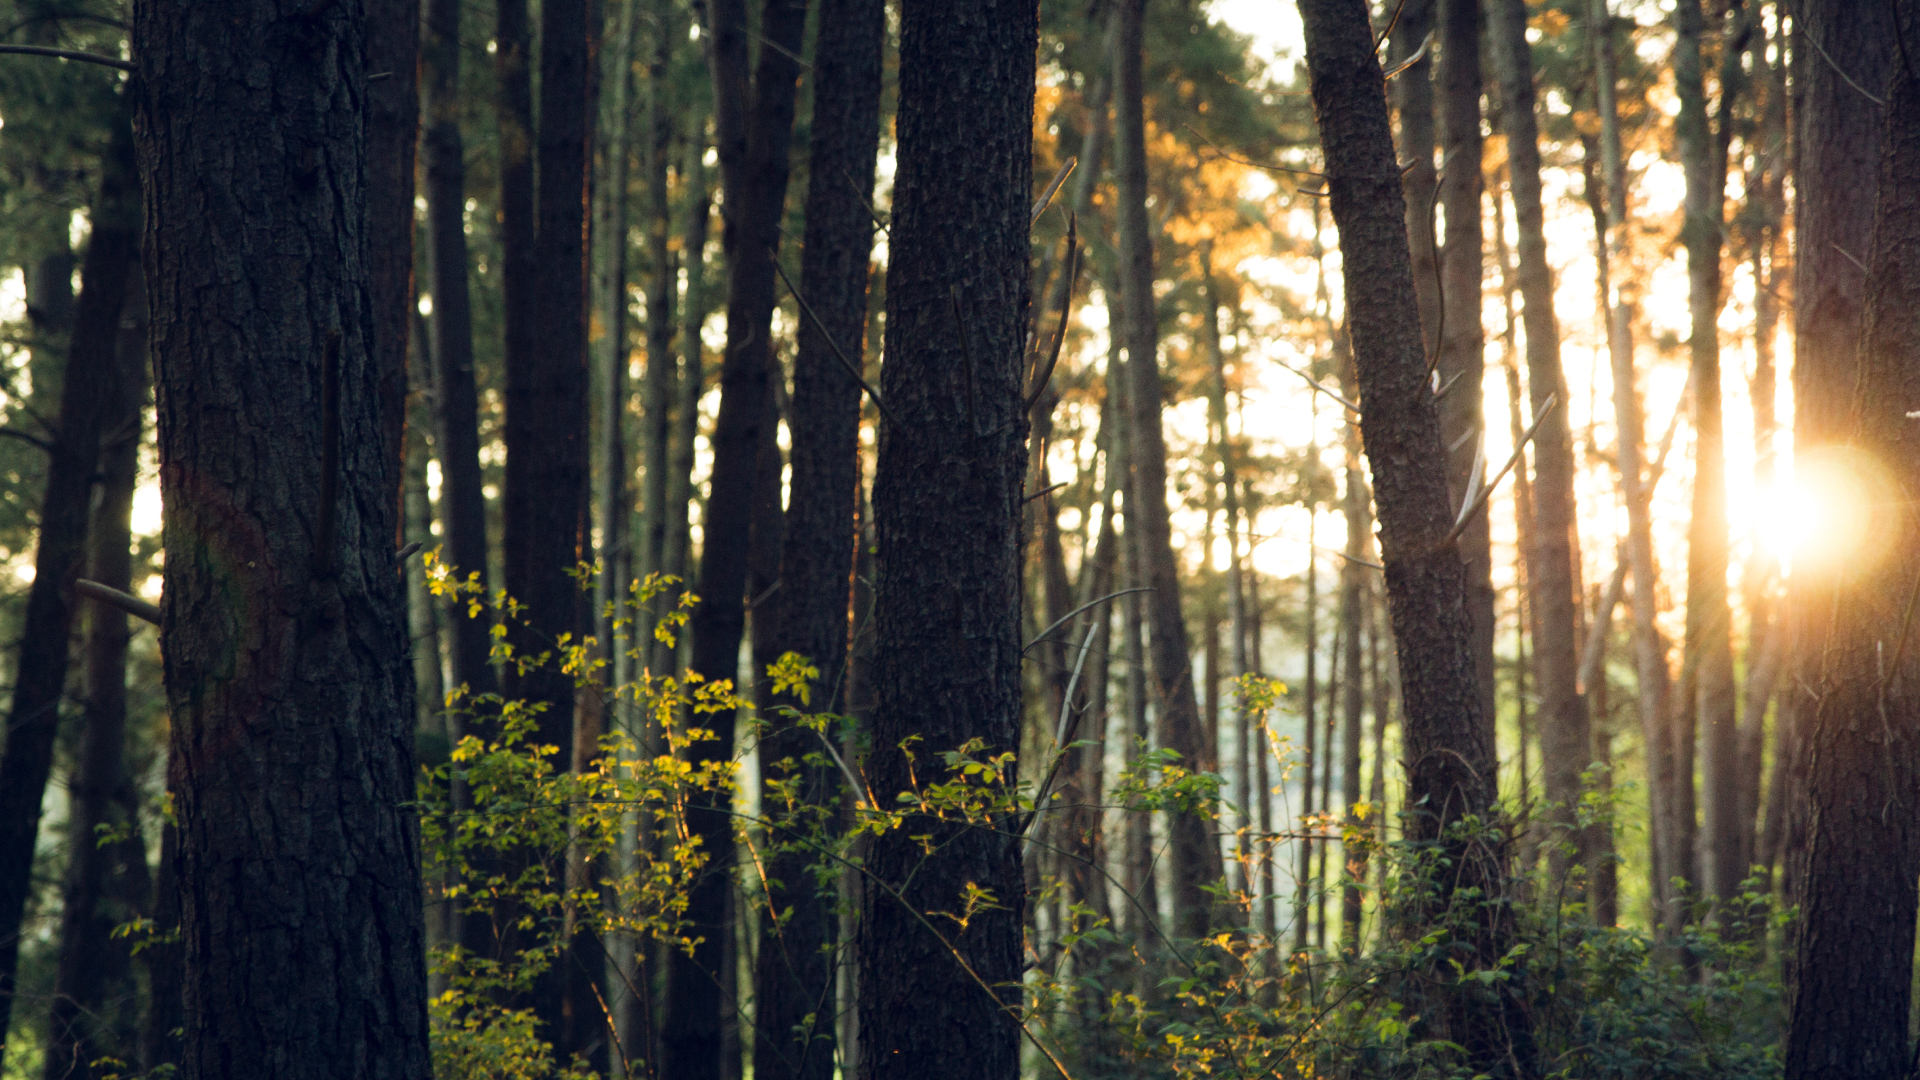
(1194, 858)
(1851, 950)
(1566, 741)
(754, 125)
(284, 632)
(87, 401)
(393, 138)
(463, 505)
(1837, 141)
(96, 899)
(662, 286)
(1450, 759)
(1413, 99)
(794, 979)
(947, 660)
(692, 377)
(1853, 943)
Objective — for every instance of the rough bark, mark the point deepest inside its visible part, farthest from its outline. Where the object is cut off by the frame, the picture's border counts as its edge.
(463, 504)
(1449, 758)
(1853, 943)
(87, 398)
(753, 127)
(794, 979)
(947, 664)
(291, 761)
(393, 138)
(1194, 859)
(1566, 742)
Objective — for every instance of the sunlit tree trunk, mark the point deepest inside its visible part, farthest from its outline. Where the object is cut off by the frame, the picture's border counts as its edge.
(1853, 942)
(1449, 754)
(1356, 503)
(1566, 748)
(1193, 857)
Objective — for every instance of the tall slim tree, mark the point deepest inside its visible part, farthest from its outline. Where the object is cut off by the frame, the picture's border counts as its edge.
(753, 114)
(662, 287)
(86, 401)
(463, 506)
(1194, 858)
(1853, 943)
(1709, 644)
(794, 980)
(1565, 736)
(947, 601)
(1449, 754)
(291, 762)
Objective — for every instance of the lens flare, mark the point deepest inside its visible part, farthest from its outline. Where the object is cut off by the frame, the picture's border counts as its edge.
(1838, 516)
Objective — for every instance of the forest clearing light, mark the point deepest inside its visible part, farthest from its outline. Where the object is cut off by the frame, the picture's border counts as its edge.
(1836, 517)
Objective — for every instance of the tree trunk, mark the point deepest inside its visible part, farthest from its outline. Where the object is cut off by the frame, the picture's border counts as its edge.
(96, 898)
(1236, 598)
(87, 401)
(1709, 618)
(291, 767)
(1352, 701)
(794, 977)
(610, 233)
(1194, 860)
(1853, 943)
(1450, 759)
(463, 505)
(1566, 741)
(946, 666)
(1412, 93)
(393, 138)
(1462, 339)
(754, 125)
(658, 411)
(692, 383)
(1310, 699)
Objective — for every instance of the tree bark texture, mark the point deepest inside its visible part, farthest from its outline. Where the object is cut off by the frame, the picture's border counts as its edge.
(1449, 757)
(87, 400)
(662, 288)
(753, 127)
(393, 139)
(947, 659)
(1854, 940)
(1854, 879)
(795, 974)
(463, 504)
(1413, 100)
(1194, 857)
(1566, 748)
(291, 761)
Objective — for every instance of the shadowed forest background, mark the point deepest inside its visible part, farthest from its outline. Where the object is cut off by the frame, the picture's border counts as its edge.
(827, 538)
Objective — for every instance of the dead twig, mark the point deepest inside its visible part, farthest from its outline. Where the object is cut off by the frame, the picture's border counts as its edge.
(113, 597)
(1480, 500)
(832, 344)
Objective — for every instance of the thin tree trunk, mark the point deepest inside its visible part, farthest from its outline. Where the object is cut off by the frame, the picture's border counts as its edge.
(1236, 599)
(284, 611)
(946, 664)
(1309, 729)
(610, 232)
(1450, 759)
(662, 286)
(1462, 339)
(1566, 740)
(102, 794)
(794, 1035)
(1353, 691)
(1412, 92)
(677, 558)
(1194, 859)
(1666, 841)
(1709, 618)
(87, 401)
(1853, 943)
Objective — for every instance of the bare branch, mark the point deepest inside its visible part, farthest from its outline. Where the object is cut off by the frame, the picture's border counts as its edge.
(70, 54)
(112, 597)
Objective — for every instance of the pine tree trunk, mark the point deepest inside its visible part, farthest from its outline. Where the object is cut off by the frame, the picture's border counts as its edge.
(1566, 742)
(393, 138)
(291, 766)
(947, 613)
(1450, 759)
(1353, 691)
(463, 504)
(663, 283)
(1194, 858)
(87, 400)
(1853, 943)
(753, 127)
(691, 385)
(1309, 706)
(794, 975)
